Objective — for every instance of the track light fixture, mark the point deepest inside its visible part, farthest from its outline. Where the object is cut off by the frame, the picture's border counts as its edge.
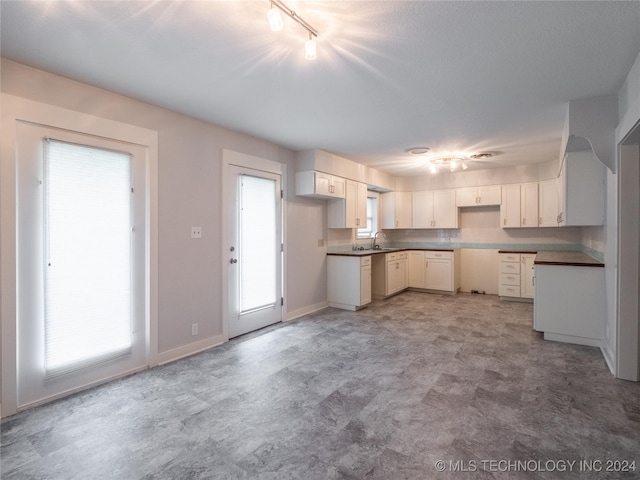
(276, 24)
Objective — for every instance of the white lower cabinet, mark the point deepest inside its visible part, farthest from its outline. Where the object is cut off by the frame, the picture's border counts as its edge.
(435, 270)
(569, 304)
(417, 270)
(389, 274)
(348, 281)
(516, 275)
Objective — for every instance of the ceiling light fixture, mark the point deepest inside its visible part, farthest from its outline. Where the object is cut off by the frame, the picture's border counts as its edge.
(452, 163)
(275, 21)
(310, 48)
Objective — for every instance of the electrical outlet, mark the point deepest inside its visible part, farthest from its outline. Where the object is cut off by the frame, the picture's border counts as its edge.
(196, 232)
(194, 329)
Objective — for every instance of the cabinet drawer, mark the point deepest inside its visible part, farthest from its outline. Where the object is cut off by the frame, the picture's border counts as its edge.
(364, 261)
(510, 257)
(392, 257)
(507, 267)
(402, 256)
(510, 279)
(509, 291)
(438, 255)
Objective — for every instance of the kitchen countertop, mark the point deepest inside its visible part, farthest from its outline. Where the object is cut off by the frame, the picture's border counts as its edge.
(530, 252)
(362, 253)
(566, 258)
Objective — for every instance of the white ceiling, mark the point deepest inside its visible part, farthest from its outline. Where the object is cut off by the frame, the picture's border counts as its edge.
(453, 76)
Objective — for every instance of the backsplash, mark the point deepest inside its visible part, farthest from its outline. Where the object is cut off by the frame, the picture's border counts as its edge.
(480, 228)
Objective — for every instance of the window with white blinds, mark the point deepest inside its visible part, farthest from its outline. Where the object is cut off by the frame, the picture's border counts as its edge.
(87, 256)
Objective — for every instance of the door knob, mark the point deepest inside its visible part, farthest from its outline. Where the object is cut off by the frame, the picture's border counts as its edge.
(233, 260)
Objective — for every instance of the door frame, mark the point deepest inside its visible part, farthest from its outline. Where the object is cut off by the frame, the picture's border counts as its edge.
(628, 307)
(230, 157)
(15, 110)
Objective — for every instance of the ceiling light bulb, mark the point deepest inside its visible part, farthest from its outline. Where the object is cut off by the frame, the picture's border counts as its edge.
(310, 48)
(432, 168)
(453, 165)
(275, 19)
(464, 165)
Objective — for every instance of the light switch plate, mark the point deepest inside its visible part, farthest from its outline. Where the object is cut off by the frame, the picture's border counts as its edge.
(196, 232)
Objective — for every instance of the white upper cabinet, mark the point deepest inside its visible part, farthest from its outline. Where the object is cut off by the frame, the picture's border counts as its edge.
(576, 197)
(519, 206)
(477, 196)
(510, 207)
(435, 209)
(529, 204)
(321, 185)
(395, 210)
(549, 206)
(350, 212)
(581, 190)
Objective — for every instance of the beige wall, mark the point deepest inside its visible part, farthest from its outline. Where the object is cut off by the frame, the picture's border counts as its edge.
(189, 194)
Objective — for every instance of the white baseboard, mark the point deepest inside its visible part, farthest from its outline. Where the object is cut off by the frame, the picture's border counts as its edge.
(50, 398)
(190, 349)
(292, 315)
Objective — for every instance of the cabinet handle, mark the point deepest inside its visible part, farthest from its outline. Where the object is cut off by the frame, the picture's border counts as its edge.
(523, 260)
(524, 221)
(540, 221)
(533, 281)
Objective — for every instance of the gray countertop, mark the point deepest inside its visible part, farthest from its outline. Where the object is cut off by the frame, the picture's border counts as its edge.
(361, 253)
(566, 258)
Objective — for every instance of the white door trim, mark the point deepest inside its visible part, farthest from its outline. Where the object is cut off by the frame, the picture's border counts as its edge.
(628, 314)
(230, 157)
(17, 109)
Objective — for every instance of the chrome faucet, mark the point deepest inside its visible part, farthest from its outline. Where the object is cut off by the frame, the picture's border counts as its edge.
(374, 245)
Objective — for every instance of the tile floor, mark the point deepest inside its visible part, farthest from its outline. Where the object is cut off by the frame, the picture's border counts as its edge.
(383, 393)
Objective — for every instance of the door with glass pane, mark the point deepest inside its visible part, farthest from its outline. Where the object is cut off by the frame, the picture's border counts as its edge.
(255, 250)
(81, 289)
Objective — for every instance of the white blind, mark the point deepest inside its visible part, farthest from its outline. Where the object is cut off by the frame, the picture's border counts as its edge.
(258, 243)
(87, 255)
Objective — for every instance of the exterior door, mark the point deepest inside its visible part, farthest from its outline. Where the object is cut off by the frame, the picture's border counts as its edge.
(255, 250)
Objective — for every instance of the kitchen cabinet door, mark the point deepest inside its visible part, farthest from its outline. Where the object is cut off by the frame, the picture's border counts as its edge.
(435, 209)
(416, 267)
(319, 185)
(548, 203)
(422, 209)
(467, 197)
(581, 190)
(365, 285)
(361, 205)
(478, 196)
(438, 274)
(510, 207)
(445, 211)
(396, 210)
(490, 195)
(351, 211)
(527, 274)
(348, 281)
(529, 204)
